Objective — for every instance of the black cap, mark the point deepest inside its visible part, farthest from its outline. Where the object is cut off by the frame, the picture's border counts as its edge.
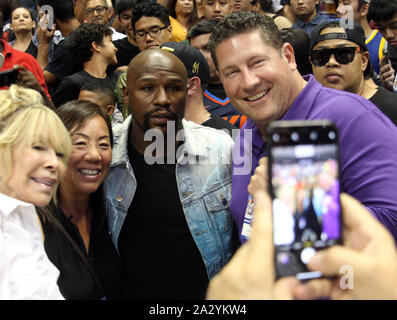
(194, 61)
(355, 34)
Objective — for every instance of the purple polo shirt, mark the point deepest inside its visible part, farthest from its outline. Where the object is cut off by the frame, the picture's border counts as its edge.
(368, 151)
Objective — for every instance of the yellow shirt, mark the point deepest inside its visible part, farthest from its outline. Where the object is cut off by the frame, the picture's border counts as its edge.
(178, 32)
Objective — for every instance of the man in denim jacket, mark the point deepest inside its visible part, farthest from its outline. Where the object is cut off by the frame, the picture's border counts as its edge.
(167, 198)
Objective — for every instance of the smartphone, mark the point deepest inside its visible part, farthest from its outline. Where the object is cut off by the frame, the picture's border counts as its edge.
(386, 52)
(303, 173)
(8, 77)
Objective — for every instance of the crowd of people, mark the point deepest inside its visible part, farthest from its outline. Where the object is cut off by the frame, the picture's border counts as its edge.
(133, 146)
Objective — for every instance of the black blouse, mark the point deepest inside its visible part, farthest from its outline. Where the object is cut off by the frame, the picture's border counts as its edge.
(76, 282)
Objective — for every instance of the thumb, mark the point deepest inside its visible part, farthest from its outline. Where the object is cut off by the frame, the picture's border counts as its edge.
(330, 261)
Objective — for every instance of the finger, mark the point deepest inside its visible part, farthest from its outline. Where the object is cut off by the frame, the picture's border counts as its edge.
(284, 288)
(385, 68)
(263, 162)
(330, 261)
(261, 239)
(313, 289)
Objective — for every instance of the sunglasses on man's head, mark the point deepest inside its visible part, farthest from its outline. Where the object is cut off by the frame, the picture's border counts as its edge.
(342, 55)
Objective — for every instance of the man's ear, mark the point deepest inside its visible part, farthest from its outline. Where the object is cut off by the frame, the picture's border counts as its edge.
(257, 7)
(125, 96)
(287, 52)
(94, 46)
(364, 60)
(193, 85)
(169, 30)
(109, 109)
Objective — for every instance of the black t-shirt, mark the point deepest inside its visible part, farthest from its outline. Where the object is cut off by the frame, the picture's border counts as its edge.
(159, 256)
(32, 50)
(217, 122)
(125, 52)
(75, 280)
(70, 87)
(63, 64)
(393, 56)
(386, 101)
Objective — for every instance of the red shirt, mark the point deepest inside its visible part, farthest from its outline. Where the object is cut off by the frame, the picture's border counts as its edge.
(13, 57)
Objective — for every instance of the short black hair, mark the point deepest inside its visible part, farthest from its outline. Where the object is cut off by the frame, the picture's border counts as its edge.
(241, 22)
(203, 27)
(75, 114)
(122, 5)
(382, 10)
(266, 5)
(63, 9)
(80, 40)
(7, 7)
(101, 89)
(150, 9)
(300, 41)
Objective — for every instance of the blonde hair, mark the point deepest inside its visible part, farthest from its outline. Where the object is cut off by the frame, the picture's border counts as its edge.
(24, 121)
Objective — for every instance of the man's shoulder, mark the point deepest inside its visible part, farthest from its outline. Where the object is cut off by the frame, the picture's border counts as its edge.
(349, 110)
(79, 77)
(201, 132)
(342, 101)
(201, 140)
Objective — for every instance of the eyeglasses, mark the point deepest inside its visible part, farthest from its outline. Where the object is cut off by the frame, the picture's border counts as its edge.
(153, 31)
(343, 55)
(98, 10)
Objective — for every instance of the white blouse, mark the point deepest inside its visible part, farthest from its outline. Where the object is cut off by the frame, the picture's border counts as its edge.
(25, 270)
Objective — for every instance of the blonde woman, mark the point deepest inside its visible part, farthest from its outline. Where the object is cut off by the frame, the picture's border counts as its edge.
(34, 149)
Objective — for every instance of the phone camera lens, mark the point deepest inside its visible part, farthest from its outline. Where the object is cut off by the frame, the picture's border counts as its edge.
(331, 135)
(313, 135)
(295, 136)
(276, 137)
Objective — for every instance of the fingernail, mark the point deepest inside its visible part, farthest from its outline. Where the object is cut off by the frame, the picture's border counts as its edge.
(316, 261)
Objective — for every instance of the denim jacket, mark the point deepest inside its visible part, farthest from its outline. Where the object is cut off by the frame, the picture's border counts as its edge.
(204, 189)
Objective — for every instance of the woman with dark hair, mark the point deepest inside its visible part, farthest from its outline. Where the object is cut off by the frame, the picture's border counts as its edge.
(265, 7)
(23, 23)
(77, 239)
(300, 41)
(183, 13)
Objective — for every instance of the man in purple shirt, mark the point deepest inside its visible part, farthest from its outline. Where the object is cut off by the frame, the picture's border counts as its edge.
(260, 76)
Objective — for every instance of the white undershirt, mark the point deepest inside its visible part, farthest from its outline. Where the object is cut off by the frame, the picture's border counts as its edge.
(25, 270)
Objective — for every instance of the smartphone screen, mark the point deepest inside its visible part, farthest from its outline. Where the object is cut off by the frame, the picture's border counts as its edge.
(304, 178)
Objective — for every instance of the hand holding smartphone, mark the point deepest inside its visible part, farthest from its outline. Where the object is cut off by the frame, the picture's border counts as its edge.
(303, 171)
(8, 77)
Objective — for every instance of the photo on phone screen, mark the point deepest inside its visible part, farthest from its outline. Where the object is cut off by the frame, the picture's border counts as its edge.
(304, 179)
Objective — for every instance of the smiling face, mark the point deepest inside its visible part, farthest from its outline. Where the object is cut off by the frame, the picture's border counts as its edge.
(21, 20)
(37, 172)
(90, 158)
(256, 76)
(347, 77)
(156, 84)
